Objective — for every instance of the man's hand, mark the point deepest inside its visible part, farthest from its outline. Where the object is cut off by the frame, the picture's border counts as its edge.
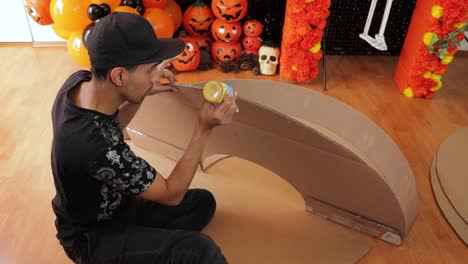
(160, 72)
(212, 115)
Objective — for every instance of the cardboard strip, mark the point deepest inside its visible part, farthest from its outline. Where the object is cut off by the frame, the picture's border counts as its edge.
(353, 221)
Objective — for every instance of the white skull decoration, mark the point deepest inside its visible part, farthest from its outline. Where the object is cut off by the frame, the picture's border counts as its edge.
(268, 57)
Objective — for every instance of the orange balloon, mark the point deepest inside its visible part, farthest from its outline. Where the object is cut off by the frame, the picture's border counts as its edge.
(77, 50)
(154, 3)
(173, 10)
(70, 15)
(126, 9)
(113, 4)
(162, 23)
(60, 32)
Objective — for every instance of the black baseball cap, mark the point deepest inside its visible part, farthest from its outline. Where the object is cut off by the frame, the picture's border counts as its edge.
(125, 39)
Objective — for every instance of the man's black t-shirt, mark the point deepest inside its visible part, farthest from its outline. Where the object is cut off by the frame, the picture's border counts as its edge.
(94, 169)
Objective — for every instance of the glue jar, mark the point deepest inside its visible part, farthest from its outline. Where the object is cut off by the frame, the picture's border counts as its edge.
(214, 91)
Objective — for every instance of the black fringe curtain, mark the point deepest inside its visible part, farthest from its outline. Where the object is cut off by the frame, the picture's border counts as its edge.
(347, 21)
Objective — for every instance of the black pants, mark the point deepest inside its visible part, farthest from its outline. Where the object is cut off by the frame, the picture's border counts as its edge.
(148, 232)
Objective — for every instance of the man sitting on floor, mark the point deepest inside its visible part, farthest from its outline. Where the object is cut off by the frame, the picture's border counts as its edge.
(112, 206)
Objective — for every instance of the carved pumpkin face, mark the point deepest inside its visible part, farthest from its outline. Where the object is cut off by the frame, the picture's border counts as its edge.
(221, 51)
(251, 43)
(229, 10)
(198, 19)
(39, 10)
(189, 59)
(203, 41)
(225, 31)
(253, 28)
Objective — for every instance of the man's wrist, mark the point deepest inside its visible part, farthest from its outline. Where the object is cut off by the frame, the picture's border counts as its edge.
(202, 129)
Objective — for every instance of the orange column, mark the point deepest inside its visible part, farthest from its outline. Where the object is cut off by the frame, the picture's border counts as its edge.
(431, 41)
(304, 23)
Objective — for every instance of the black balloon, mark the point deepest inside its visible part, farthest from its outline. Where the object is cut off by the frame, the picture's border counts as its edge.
(105, 9)
(141, 9)
(131, 3)
(94, 12)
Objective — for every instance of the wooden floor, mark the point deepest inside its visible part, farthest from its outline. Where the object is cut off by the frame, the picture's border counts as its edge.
(30, 78)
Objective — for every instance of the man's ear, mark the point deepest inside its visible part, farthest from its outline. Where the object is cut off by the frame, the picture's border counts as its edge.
(119, 76)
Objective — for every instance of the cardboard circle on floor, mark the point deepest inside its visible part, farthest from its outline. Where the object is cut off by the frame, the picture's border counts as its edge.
(454, 219)
(452, 159)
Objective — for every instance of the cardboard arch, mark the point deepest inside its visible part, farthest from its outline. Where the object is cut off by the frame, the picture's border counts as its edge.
(347, 168)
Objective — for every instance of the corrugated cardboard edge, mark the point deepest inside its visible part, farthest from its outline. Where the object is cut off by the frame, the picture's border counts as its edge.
(457, 223)
(357, 129)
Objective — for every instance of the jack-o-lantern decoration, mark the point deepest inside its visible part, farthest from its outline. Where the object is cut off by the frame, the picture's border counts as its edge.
(225, 52)
(189, 59)
(198, 19)
(203, 41)
(154, 3)
(226, 31)
(229, 10)
(253, 28)
(252, 44)
(39, 10)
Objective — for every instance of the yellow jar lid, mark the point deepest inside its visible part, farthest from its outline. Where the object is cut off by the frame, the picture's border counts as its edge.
(214, 92)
